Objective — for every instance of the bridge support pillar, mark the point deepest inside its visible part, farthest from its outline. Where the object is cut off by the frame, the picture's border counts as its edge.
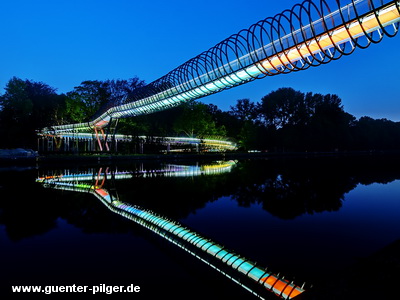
(141, 144)
(105, 136)
(101, 139)
(50, 144)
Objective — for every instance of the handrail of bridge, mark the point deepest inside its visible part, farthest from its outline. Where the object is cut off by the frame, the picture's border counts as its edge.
(310, 34)
(215, 255)
(207, 142)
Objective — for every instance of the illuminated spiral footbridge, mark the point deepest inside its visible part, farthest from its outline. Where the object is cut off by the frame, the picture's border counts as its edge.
(270, 47)
(312, 33)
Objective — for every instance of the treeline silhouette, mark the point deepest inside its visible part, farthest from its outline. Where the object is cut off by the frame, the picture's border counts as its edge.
(283, 120)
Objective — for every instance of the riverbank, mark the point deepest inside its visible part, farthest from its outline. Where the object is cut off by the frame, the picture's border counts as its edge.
(126, 158)
(185, 156)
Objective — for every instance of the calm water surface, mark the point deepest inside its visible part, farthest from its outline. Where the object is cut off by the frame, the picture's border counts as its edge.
(308, 218)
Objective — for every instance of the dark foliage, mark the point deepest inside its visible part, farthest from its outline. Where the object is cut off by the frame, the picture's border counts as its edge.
(284, 120)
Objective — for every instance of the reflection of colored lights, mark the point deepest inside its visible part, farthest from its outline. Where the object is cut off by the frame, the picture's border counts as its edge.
(168, 170)
(175, 232)
(166, 228)
(281, 287)
(184, 171)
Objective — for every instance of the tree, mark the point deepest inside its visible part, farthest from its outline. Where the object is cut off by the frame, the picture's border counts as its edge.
(75, 109)
(329, 126)
(284, 106)
(122, 91)
(15, 103)
(376, 134)
(195, 120)
(26, 106)
(228, 124)
(306, 121)
(93, 97)
(245, 110)
(48, 107)
(92, 94)
(246, 114)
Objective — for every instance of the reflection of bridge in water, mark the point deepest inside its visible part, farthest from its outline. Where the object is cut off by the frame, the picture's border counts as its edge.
(310, 34)
(257, 280)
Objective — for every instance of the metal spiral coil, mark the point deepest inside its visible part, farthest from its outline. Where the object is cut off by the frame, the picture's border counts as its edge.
(270, 39)
(312, 33)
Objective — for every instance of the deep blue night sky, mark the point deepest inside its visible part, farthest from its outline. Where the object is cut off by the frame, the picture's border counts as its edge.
(65, 42)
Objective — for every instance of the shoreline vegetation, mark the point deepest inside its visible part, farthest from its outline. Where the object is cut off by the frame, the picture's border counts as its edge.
(284, 120)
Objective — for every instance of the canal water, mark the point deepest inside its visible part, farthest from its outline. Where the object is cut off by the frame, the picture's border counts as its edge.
(312, 219)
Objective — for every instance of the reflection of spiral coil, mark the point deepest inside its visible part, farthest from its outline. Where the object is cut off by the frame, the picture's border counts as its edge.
(310, 34)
